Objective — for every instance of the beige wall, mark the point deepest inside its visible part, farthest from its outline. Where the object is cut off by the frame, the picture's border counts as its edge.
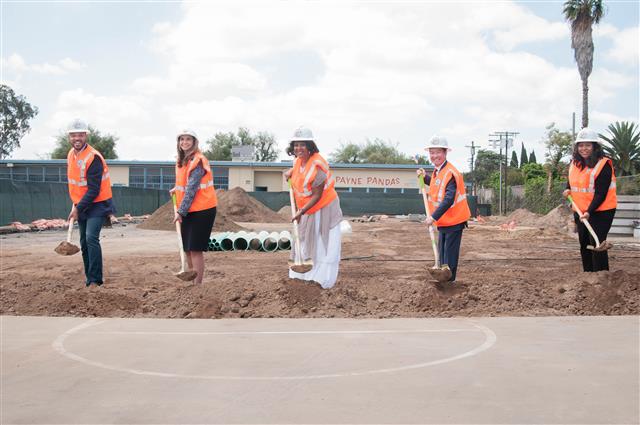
(248, 178)
(368, 177)
(119, 174)
(241, 177)
(272, 179)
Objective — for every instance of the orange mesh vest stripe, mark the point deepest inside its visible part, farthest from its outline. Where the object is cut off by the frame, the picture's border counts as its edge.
(77, 166)
(459, 211)
(206, 195)
(301, 181)
(582, 182)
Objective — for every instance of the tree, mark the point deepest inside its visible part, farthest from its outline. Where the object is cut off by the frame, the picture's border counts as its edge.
(582, 14)
(218, 148)
(266, 149)
(532, 171)
(532, 158)
(14, 121)
(514, 160)
(487, 162)
(624, 147)
(106, 144)
(375, 151)
(349, 153)
(524, 159)
(559, 145)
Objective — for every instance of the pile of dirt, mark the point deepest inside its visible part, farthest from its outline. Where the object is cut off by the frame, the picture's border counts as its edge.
(558, 219)
(524, 217)
(162, 219)
(237, 205)
(285, 212)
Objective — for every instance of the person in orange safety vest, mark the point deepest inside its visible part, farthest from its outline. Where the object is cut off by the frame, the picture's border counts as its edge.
(196, 200)
(317, 209)
(592, 185)
(448, 205)
(90, 192)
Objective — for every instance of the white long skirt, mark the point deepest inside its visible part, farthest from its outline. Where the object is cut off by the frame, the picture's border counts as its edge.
(326, 262)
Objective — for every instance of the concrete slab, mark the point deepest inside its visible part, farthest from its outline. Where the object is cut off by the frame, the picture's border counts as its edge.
(481, 370)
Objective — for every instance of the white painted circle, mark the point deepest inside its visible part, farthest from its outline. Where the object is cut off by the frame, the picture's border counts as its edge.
(489, 341)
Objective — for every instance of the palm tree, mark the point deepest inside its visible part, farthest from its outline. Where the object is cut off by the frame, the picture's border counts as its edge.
(582, 14)
(624, 147)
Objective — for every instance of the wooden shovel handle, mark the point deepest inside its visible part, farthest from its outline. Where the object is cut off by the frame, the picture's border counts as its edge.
(584, 221)
(183, 259)
(70, 230)
(297, 258)
(425, 200)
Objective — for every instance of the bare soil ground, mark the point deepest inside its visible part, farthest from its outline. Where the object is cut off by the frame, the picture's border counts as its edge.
(529, 271)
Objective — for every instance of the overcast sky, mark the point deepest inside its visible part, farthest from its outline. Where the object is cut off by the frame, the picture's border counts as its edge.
(396, 70)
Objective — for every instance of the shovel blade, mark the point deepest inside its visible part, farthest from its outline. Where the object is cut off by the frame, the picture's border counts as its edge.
(441, 274)
(305, 267)
(604, 245)
(186, 275)
(66, 248)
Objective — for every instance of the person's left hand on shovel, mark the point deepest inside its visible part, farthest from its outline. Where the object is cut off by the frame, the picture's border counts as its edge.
(429, 221)
(73, 214)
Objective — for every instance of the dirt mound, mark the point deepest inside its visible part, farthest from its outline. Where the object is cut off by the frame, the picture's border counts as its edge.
(560, 218)
(237, 205)
(162, 219)
(524, 217)
(285, 212)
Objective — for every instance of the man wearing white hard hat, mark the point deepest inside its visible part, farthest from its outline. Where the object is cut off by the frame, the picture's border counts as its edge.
(592, 186)
(447, 202)
(317, 209)
(90, 192)
(196, 200)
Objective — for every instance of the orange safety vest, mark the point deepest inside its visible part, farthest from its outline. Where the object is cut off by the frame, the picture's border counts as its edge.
(582, 183)
(206, 195)
(459, 211)
(301, 181)
(77, 166)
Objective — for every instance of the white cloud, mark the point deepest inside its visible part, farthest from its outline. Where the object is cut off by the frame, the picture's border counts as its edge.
(16, 64)
(626, 48)
(398, 71)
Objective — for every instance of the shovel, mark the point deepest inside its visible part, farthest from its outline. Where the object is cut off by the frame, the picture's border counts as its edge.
(183, 274)
(66, 247)
(440, 273)
(600, 246)
(297, 265)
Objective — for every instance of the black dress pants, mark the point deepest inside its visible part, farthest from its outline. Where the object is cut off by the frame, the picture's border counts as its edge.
(594, 261)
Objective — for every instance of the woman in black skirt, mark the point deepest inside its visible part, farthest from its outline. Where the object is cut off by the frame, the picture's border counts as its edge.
(196, 200)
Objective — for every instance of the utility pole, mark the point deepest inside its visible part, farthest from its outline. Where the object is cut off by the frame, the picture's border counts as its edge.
(573, 128)
(505, 138)
(473, 177)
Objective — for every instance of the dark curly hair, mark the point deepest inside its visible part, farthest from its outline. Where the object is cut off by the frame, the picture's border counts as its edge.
(311, 146)
(593, 159)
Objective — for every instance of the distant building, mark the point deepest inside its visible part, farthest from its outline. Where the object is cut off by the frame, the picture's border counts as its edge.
(251, 176)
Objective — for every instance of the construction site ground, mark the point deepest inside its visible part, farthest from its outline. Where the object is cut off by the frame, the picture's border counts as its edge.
(519, 272)
(275, 357)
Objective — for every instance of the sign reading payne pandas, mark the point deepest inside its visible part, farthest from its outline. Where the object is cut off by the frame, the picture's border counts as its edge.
(381, 180)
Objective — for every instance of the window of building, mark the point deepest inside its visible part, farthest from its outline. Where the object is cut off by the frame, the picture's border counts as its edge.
(53, 174)
(261, 189)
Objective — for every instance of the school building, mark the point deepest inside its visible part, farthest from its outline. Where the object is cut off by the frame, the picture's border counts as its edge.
(250, 176)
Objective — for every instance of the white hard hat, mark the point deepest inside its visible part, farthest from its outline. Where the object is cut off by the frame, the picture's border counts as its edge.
(78, 126)
(587, 135)
(302, 134)
(437, 142)
(187, 132)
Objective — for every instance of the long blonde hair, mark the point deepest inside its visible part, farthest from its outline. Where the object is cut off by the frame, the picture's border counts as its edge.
(185, 157)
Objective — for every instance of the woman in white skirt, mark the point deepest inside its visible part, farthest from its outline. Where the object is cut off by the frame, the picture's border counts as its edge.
(317, 209)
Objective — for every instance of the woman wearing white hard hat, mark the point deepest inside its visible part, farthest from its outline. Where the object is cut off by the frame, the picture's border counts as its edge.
(196, 200)
(447, 202)
(318, 209)
(592, 186)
